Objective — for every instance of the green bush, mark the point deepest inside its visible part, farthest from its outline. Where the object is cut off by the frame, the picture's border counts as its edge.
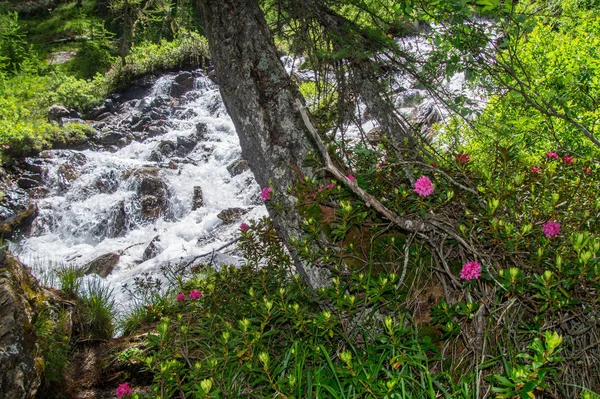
(189, 49)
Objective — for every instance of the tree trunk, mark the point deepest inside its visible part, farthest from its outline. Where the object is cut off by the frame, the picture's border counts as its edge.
(260, 96)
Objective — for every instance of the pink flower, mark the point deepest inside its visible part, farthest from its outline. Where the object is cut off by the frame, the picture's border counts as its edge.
(313, 195)
(378, 165)
(587, 171)
(266, 193)
(351, 178)
(470, 271)
(320, 189)
(434, 165)
(423, 186)
(567, 159)
(463, 158)
(124, 389)
(551, 229)
(244, 227)
(330, 186)
(149, 307)
(195, 294)
(181, 297)
(535, 169)
(552, 155)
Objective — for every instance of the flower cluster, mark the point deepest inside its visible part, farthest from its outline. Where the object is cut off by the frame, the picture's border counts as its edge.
(244, 226)
(535, 169)
(552, 155)
(124, 389)
(351, 178)
(470, 271)
(551, 229)
(194, 295)
(423, 186)
(266, 193)
(463, 158)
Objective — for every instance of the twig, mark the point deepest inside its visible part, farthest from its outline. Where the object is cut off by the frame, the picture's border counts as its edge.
(212, 252)
(412, 225)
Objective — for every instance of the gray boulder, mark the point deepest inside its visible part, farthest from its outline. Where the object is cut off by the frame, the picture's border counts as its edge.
(102, 265)
(19, 377)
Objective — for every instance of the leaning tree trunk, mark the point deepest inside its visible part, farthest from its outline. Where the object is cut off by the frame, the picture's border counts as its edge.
(260, 98)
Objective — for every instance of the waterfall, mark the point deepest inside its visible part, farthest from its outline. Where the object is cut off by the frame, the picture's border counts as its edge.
(112, 199)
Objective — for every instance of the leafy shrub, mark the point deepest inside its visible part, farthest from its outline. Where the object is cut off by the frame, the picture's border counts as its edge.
(188, 50)
(13, 47)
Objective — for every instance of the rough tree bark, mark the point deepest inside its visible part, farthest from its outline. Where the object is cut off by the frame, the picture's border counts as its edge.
(260, 98)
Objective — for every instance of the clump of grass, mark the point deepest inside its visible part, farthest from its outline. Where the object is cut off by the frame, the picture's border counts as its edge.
(98, 310)
(69, 280)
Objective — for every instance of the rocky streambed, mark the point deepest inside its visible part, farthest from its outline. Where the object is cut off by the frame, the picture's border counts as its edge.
(161, 182)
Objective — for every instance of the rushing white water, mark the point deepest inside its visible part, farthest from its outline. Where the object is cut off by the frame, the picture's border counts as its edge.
(99, 211)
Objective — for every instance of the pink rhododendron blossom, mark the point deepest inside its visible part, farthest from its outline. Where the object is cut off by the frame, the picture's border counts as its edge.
(244, 227)
(266, 193)
(195, 294)
(330, 186)
(552, 155)
(471, 271)
(313, 195)
(551, 229)
(181, 297)
(567, 159)
(378, 165)
(587, 171)
(535, 169)
(463, 158)
(351, 178)
(320, 189)
(124, 389)
(423, 186)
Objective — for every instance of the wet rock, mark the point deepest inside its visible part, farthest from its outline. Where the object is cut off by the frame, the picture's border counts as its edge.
(104, 116)
(152, 191)
(96, 112)
(102, 265)
(110, 105)
(29, 180)
(107, 182)
(155, 156)
(183, 83)
(230, 215)
(119, 220)
(198, 198)
(154, 131)
(153, 249)
(166, 147)
(19, 376)
(111, 138)
(16, 220)
(57, 112)
(153, 206)
(185, 144)
(141, 125)
(70, 170)
(66, 173)
(238, 167)
(201, 130)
